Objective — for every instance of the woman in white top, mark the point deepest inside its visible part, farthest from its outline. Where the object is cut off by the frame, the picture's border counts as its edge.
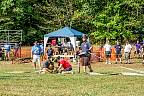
(107, 50)
(127, 51)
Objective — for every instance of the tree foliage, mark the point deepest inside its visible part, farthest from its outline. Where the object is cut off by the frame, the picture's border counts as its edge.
(101, 19)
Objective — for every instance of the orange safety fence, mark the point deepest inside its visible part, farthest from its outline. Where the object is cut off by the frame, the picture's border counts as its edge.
(98, 54)
(25, 53)
(21, 53)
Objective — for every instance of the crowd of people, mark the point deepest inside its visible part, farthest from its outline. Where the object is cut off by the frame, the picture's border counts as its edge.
(84, 53)
(63, 64)
(127, 49)
(48, 64)
(6, 49)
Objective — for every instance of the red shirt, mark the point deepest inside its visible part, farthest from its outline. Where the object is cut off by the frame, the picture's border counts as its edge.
(65, 63)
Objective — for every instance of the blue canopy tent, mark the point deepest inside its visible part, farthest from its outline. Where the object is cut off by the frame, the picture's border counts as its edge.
(64, 32)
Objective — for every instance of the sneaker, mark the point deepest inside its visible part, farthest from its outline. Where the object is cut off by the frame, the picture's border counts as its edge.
(106, 63)
(91, 71)
(120, 62)
(115, 62)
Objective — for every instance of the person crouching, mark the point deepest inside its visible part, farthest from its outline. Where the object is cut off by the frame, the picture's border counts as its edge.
(63, 65)
(48, 66)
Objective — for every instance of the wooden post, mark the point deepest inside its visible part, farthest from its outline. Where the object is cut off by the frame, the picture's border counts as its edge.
(78, 62)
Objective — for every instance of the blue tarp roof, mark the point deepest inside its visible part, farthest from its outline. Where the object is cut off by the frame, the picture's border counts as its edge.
(64, 32)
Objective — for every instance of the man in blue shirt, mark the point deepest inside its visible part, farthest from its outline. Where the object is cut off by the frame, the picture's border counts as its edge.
(85, 54)
(35, 53)
(7, 48)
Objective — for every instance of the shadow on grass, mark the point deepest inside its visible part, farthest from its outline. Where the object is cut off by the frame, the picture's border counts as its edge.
(16, 77)
(110, 73)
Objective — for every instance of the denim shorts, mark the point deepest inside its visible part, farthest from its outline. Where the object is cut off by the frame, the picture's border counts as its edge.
(118, 54)
(68, 69)
(108, 54)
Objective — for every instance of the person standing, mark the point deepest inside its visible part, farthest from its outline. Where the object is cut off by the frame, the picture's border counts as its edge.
(50, 52)
(107, 50)
(0, 53)
(85, 51)
(137, 48)
(142, 48)
(16, 48)
(7, 48)
(35, 53)
(42, 51)
(118, 49)
(127, 52)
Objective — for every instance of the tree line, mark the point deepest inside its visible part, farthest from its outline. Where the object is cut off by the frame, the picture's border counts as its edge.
(100, 19)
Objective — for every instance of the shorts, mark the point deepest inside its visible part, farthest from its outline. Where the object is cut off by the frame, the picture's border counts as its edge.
(42, 54)
(118, 54)
(46, 64)
(85, 61)
(108, 54)
(7, 51)
(68, 69)
(36, 58)
(127, 55)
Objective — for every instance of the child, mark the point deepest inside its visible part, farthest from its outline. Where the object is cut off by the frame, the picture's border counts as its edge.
(48, 66)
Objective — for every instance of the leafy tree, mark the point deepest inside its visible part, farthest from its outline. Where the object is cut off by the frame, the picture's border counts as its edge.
(100, 19)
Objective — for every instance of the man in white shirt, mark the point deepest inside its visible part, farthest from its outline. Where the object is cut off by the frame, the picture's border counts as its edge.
(127, 52)
(107, 50)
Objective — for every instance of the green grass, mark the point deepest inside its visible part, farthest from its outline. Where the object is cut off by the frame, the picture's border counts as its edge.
(30, 83)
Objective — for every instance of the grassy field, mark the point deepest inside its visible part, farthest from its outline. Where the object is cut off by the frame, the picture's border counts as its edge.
(21, 80)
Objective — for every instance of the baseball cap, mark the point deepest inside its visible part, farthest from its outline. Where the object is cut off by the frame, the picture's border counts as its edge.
(84, 36)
